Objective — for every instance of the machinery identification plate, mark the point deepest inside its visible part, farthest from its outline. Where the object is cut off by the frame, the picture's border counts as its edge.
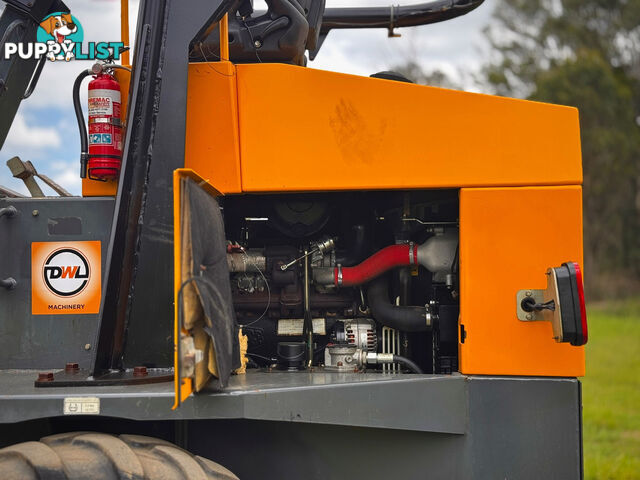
(65, 277)
(81, 406)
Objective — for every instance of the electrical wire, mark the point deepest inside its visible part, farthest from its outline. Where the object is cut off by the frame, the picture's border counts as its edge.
(410, 364)
(209, 63)
(253, 42)
(268, 290)
(272, 360)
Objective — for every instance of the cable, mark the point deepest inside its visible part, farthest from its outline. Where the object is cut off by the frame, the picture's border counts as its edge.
(268, 290)
(253, 42)
(269, 359)
(410, 364)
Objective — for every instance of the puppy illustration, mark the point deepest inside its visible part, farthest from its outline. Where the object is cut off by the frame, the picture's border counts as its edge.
(59, 27)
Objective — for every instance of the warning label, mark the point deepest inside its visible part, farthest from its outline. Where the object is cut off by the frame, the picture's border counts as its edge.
(99, 106)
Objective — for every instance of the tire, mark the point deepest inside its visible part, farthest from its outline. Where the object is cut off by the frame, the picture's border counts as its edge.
(98, 456)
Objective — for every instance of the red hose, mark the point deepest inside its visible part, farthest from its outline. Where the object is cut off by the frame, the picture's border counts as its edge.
(377, 264)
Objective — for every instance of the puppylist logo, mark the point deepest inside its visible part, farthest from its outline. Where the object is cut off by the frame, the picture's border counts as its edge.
(60, 37)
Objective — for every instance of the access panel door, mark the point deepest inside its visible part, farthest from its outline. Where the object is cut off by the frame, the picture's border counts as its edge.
(509, 237)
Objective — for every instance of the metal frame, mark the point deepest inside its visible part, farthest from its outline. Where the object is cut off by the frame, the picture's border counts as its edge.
(334, 425)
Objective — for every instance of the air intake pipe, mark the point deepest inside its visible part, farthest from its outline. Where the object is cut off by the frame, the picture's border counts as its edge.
(436, 255)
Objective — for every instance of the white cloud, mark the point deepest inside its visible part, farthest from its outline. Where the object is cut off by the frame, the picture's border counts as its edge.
(29, 136)
(67, 175)
(455, 47)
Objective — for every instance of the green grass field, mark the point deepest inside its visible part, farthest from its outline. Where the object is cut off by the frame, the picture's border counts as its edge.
(611, 392)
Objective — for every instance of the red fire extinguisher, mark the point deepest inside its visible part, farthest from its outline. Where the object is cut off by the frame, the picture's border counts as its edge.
(101, 150)
(105, 130)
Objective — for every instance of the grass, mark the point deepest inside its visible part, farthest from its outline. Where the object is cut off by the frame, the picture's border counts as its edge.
(611, 392)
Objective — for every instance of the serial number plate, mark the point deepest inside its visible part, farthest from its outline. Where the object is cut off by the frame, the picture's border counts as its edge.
(81, 406)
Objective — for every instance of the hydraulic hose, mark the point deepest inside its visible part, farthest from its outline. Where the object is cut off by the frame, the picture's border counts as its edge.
(375, 265)
(8, 212)
(410, 364)
(403, 318)
(8, 283)
(84, 140)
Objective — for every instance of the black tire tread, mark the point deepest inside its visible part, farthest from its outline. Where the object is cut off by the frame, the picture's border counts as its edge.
(99, 456)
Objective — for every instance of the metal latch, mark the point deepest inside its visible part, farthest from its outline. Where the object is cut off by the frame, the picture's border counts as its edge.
(561, 303)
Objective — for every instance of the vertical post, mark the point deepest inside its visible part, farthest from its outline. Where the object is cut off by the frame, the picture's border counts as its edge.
(124, 29)
(224, 38)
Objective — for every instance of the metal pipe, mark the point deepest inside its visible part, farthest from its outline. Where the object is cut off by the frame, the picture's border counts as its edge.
(308, 322)
(396, 16)
(124, 29)
(224, 38)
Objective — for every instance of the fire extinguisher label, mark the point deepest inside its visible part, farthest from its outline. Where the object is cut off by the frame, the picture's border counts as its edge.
(100, 139)
(101, 102)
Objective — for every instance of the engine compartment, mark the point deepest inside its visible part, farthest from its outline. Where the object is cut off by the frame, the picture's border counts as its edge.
(346, 281)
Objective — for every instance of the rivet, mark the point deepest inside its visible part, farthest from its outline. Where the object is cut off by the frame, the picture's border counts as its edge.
(529, 316)
(87, 346)
(35, 213)
(528, 294)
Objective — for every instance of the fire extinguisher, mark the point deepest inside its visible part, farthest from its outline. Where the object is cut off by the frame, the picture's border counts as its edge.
(101, 150)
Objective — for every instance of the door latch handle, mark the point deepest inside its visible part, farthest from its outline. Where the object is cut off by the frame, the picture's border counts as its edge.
(561, 303)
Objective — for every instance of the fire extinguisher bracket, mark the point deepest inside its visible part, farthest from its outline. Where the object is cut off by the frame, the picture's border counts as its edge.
(561, 303)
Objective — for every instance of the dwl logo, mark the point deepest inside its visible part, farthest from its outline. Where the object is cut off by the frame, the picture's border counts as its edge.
(66, 272)
(59, 37)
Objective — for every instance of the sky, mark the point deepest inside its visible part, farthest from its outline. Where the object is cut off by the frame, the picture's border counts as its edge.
(45, 129)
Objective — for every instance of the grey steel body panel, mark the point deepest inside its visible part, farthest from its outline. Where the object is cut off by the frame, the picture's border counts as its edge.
(331, 425)
(45, 341)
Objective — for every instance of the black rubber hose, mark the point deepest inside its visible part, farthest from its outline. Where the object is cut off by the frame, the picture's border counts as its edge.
(8, 212)
(405, 319)
(84, 140)
(8, 283)
(410, 364)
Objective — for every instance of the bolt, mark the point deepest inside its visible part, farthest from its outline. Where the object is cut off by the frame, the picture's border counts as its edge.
(87, 346)
(35, 213)
(529, 316)
(257, 44)
(45, 377)
(140, 372)
(528, 294)
(71, 367)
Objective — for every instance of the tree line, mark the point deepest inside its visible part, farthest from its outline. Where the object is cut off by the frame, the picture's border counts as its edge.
(583, 53)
